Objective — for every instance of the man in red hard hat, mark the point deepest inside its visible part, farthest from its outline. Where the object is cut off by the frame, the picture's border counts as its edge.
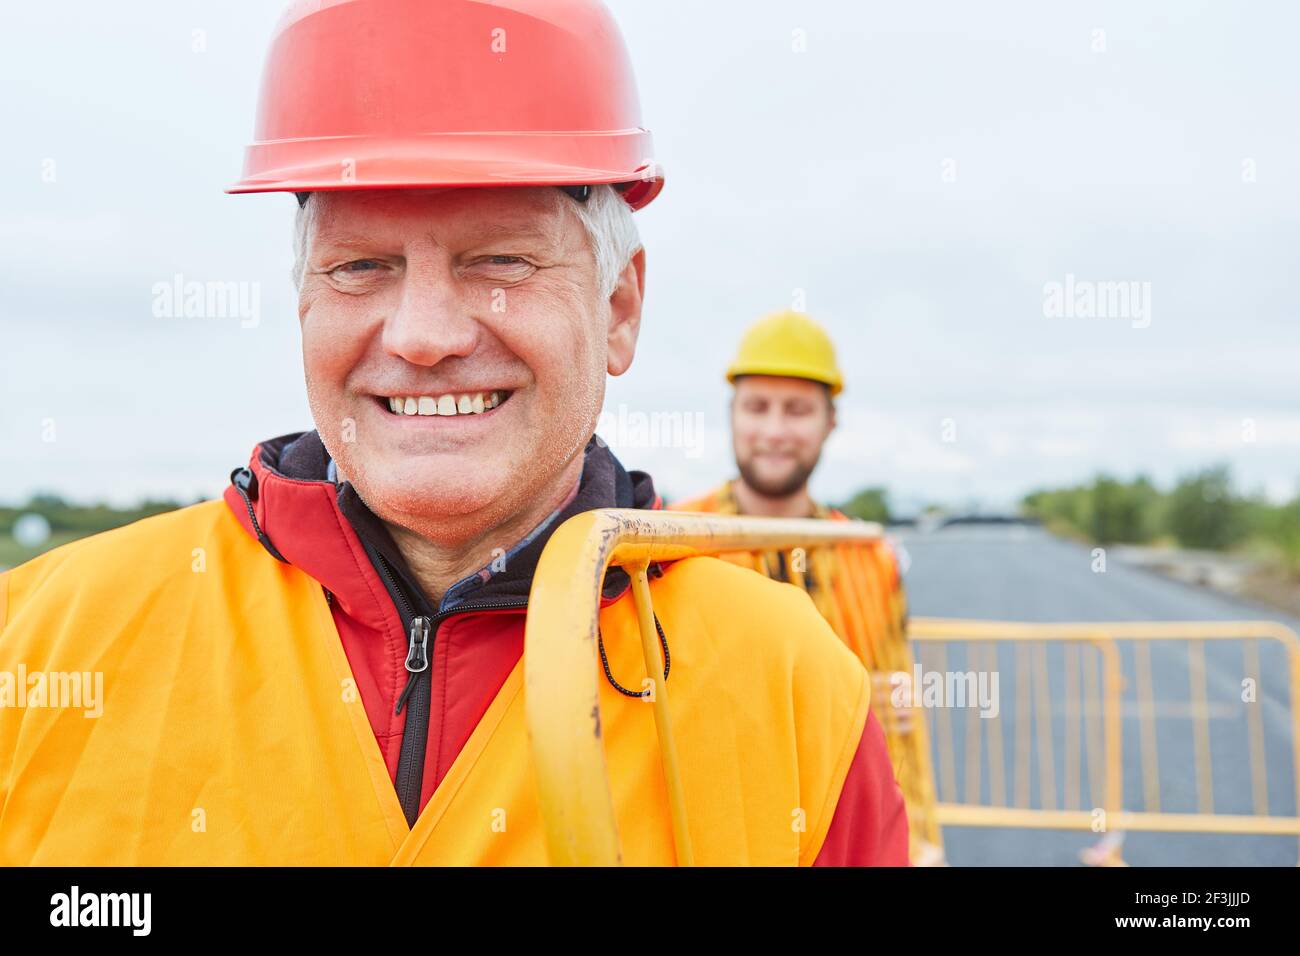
(324, 667)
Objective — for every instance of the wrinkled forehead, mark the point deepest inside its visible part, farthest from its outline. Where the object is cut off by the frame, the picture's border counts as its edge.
(539, 214)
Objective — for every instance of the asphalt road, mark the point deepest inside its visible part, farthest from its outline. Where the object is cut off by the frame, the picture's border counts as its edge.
(1013, 573)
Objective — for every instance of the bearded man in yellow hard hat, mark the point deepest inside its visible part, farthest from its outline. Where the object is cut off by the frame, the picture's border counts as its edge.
(786, 379)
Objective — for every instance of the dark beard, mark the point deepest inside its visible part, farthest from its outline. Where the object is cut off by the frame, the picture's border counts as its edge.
(797, 480)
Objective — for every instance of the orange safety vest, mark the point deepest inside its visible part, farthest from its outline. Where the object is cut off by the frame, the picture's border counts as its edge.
(865, 601)
(231, 731)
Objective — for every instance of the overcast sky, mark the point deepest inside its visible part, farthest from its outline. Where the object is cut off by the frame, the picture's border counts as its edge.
(918, 173)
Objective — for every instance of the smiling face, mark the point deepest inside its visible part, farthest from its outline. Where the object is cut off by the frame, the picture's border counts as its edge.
(455, 344)
(778, 427)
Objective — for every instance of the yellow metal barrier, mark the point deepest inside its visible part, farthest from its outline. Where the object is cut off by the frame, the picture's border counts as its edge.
(1098, 711)
(561, 663)
(1088, 661)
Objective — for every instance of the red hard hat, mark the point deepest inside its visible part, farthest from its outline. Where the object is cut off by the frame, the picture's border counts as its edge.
(389, 94)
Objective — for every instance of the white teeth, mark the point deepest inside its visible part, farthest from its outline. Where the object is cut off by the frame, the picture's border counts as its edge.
(469, 403)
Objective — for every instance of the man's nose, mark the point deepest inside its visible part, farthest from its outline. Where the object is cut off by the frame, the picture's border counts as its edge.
(773, 426)
(432, 321)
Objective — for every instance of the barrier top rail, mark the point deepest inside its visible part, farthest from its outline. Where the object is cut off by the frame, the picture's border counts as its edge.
(561, 663)
(953, 629)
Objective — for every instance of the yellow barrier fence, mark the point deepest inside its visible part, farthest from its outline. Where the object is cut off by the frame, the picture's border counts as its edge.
(1084, 689)
(1080, 689)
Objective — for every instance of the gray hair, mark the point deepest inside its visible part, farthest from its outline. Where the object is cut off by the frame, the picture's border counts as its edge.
(611, 233)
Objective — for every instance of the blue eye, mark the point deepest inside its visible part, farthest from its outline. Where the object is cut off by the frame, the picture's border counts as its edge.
(361, 265)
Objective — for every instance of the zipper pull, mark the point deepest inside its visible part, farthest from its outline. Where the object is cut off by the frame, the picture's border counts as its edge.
(417, 657)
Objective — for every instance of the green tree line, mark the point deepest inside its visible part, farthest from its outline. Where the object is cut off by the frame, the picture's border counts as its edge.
(1201, 511)
(67, 522)
(869, 504)
(80, 519)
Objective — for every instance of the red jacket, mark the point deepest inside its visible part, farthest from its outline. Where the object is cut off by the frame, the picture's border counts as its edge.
(287, 500)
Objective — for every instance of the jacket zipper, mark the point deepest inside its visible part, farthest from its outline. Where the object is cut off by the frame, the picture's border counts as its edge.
(422, 632)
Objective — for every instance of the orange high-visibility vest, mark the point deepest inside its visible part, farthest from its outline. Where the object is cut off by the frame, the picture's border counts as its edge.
(231, 731)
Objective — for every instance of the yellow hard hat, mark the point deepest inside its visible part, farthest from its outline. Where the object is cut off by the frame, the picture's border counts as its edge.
(788, 344)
